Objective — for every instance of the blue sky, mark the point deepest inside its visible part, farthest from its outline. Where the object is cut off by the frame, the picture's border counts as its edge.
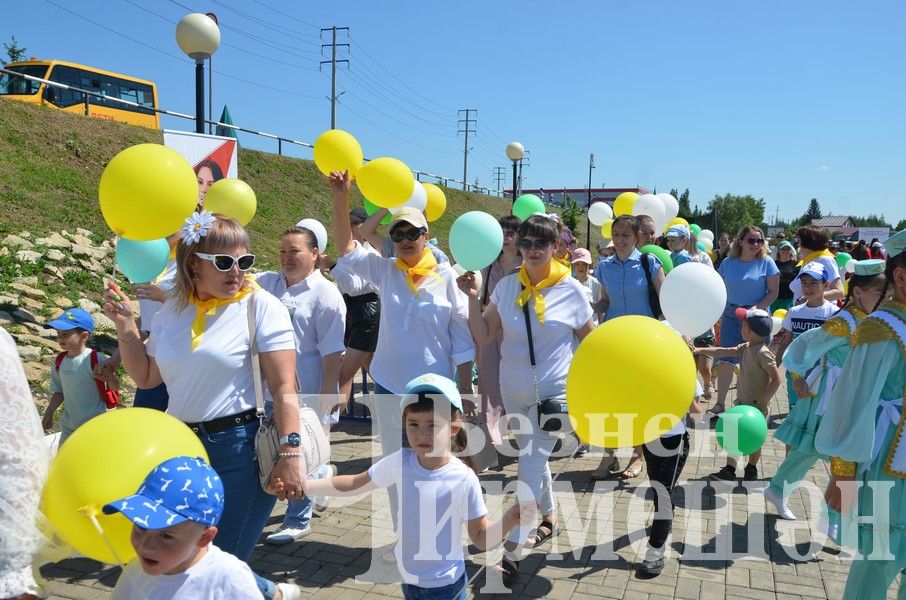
(782, 100)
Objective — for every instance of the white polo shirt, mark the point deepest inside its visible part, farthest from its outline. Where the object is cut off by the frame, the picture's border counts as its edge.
(318, 314)
(215, 380)
(420, 333)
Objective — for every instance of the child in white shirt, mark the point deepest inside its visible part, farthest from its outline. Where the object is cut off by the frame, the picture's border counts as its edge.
(429, 550)
(174, 515)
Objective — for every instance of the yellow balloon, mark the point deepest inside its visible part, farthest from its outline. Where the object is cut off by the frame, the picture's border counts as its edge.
(232, 198)
(676, 221)
(338, 150)
(386, 182)
(105, 459)
(606, 228)
(147, 191)
(623, 203)
(630, 381)
(780, 313)
(437, 202)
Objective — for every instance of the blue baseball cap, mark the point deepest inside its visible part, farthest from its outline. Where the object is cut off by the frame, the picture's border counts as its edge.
(72, 318)
(680, 231)
(815, 270)
(177, 490)
(431, 383)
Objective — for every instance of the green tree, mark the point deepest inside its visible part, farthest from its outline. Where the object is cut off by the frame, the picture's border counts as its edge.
(733, 212)
(871, 220)
(685, 210)
(13, 50)
(813, 212)
(570, 213)
(901, 225)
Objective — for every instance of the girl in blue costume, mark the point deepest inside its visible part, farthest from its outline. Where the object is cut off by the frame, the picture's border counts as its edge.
(815, 360)
(864, 424)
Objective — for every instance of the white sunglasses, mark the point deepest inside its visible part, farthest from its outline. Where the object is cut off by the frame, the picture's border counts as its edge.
(225, 262)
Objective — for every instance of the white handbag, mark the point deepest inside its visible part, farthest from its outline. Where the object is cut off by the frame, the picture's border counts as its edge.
(315, 447)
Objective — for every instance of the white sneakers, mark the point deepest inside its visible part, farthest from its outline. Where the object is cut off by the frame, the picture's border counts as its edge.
(289, 591)
(780, 505)
(287, 535)
(320, 503)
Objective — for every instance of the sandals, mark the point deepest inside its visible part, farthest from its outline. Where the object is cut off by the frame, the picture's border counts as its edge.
(542, 533)
(631, 472)
(509, 571)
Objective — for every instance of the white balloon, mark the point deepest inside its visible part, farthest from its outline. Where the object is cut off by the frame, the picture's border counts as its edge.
(461, 271)
(671, 206)
(653, 206)
(776, 325)
(316, 228)
(706, 234)
(708, 244)
(599, 213)
(418, 200)
(693, 297)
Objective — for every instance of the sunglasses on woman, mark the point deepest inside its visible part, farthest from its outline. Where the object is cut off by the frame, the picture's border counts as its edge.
(398, 235)
(225, 262)
(755, 241)
(529, 244)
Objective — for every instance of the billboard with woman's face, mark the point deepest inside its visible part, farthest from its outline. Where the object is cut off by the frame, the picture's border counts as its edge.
(212, 157)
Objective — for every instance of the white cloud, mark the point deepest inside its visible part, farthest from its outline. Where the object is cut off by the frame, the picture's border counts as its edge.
(824, 168)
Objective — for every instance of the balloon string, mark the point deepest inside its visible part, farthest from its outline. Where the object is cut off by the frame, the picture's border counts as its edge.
(113, 267)
(91, 512)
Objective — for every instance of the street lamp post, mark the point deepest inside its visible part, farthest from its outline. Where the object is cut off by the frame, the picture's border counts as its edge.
(515, 151)
(591, 165)
(199, 37)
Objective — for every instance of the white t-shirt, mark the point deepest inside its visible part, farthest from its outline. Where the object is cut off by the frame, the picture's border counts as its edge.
(434, 505)
(216, 379)
(318, 314)
(701, 257)
(148, 309)
(81, 398)
(427, 332)
(566, 308)
(830, 266)
(217, 575)
(802, 317)
(349, 282)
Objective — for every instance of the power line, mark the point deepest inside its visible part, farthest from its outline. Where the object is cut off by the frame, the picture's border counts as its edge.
(283, 14)
(466, 124)
(391, 117)
(298, 35)
(357, 76)
(387, 131)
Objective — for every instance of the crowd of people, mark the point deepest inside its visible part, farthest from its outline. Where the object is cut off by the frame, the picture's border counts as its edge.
(395, 306)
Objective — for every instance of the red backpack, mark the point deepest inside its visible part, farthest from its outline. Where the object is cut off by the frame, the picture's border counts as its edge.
(110, 397)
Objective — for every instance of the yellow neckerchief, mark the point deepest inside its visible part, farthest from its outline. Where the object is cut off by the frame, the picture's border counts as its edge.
(564, 261)
(173, 253)
(557, 273)
(814, 255)
(425, 267)
(203, 308)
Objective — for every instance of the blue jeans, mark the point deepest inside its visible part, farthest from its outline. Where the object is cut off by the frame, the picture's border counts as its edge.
(454, 591)
(156, 398)
(246, 506)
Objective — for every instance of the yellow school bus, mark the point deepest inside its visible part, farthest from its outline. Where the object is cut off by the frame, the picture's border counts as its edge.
(109, 85)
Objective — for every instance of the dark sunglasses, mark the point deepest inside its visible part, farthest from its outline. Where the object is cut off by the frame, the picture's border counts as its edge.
(527, 244)
(755, 241)
(410, 234)
(509, 233)
(225, 262)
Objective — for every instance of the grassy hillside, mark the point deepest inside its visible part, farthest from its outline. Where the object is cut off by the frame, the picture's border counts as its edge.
(51, 162)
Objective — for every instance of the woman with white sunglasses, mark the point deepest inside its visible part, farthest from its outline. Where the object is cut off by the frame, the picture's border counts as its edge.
(199, 346)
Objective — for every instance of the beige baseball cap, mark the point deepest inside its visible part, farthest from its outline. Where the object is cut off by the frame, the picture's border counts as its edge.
(409, 215)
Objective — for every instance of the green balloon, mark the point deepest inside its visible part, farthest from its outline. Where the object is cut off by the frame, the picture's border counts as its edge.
(741, 430)
(695, 229)
(526, 205)
(372, 208)
(842, 258)
(661, 254)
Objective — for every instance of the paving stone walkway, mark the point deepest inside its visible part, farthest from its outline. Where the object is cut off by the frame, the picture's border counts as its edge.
(723, 545)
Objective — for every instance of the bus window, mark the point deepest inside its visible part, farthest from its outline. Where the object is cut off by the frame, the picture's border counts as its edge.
(19, 86)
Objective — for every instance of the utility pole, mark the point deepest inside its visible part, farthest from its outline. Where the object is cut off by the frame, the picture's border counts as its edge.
(333, 68)
(591, 165)
(499, 175)
(468, 124)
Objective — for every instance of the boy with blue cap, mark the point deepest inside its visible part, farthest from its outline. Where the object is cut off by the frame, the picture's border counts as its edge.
(813, 278)
(72, 380)
(677, 237)
(174, 515)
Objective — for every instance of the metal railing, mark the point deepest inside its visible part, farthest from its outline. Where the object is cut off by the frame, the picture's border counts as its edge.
(422, 176)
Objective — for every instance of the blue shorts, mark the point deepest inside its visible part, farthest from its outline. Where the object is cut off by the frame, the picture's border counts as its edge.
(730, 332)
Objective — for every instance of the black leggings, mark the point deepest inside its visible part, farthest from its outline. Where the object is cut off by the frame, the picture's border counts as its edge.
(665, 458)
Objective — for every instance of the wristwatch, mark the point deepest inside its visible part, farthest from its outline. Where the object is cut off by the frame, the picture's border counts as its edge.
(293, 439)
